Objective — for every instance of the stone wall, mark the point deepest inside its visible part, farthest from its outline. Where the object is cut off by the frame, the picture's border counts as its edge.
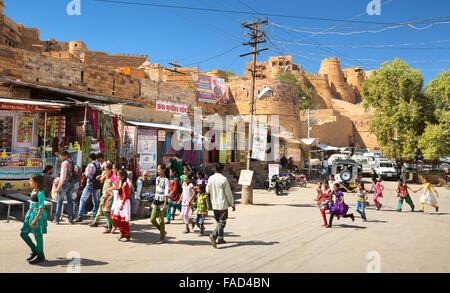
(340, 89)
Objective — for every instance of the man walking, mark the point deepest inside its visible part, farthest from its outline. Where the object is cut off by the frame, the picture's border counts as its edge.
(219, 191)
(65, 188)
(92, 170)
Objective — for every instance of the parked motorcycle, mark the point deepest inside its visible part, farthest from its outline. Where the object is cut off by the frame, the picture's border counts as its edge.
(276, 185)
(286, 182)
(300, 179)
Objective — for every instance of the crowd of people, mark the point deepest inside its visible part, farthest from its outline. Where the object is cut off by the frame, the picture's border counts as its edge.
(337, 207)
(116, 196)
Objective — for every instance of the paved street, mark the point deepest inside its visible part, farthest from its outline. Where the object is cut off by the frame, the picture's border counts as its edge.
(276, 234)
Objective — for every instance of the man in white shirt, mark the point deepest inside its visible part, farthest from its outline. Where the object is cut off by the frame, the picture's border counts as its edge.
(219, 191)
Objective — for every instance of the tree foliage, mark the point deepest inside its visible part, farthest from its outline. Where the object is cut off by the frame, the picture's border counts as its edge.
(435, 141)
(304, 95)
(402, 109)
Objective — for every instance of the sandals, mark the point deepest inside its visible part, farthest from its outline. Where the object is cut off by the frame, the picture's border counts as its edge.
(186, 231)
(107, 231)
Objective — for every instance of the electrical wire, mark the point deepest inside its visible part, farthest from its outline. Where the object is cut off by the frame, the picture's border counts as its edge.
(369, 46)
(234, 11)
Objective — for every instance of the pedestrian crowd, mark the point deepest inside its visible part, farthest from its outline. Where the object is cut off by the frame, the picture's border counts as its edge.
(116, 197)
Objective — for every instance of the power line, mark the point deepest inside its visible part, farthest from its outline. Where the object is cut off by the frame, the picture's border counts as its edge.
(215, 56)
(369, 46)
(235, 11)
(366, 27)
(361, 32)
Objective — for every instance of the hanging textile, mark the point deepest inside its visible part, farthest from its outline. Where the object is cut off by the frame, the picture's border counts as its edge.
(115, 123)
(95, 122)
(86, 149)
(102, 146)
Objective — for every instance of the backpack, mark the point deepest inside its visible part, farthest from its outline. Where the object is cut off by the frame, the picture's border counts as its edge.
(75, 173)
(96, 184)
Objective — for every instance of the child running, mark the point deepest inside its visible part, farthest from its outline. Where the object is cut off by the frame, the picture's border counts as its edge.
(339, 207)
(403, 194)
(202, 208)
(186, 200)
(121, 210)
(361, 198)
(428, 196)
(324, 200)
(378, 188)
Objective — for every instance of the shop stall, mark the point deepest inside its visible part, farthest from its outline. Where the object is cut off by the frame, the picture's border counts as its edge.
(22, 140)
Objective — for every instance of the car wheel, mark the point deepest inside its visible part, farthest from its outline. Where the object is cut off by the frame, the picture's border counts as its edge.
(346, 175)
(444, 167)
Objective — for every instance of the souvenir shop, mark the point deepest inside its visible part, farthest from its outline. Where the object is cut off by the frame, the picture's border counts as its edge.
(33, 133)
(24, 149)
(147, 144)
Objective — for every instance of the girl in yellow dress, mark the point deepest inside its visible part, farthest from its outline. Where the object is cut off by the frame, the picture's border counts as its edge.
(428, 196)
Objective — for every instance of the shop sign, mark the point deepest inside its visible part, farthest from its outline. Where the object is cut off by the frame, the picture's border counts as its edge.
(259, 144)
(246, 177)
(210, 89)
(166, 106)
(26, 108)
(129, 141)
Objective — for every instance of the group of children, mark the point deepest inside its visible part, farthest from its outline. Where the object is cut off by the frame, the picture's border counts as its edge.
(115, 204)
(339, 208)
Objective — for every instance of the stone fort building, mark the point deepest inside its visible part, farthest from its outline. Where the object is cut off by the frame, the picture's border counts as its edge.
(337, 116)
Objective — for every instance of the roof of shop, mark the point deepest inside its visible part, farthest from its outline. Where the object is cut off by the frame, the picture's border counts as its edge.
(159, 125)
(104, 99)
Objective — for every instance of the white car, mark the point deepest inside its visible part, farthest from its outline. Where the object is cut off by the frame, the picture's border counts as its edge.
(366, 162)
(385, 169)
(334, 157)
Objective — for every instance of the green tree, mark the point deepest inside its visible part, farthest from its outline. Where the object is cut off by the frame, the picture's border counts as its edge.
(304, 95)
(435, 141)
(402, 109)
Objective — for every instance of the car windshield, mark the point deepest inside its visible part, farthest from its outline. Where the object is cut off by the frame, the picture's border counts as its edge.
(386, 164)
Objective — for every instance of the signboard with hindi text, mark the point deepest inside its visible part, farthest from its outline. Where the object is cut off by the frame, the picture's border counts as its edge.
(210, 89)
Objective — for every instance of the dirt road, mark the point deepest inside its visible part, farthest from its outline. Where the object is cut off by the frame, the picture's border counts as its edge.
(276, 234)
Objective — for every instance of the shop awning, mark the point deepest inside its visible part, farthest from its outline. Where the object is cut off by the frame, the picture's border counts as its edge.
(29, 105)
(327, 147)
(287, 138)
(159, 125)
(309, 141)
(103, 99)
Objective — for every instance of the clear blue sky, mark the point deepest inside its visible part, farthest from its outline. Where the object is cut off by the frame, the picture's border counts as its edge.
(190, 37)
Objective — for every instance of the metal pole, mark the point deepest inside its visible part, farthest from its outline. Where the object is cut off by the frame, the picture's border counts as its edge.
(252, 97)
(84, 131)
(309, 148)
(45, 140)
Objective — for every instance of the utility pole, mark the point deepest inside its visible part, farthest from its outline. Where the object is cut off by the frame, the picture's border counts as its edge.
(175, 65)
(309, 146)
(257, 37)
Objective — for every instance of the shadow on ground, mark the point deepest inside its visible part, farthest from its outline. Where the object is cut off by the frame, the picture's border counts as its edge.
(64, 262)
(247, 243)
